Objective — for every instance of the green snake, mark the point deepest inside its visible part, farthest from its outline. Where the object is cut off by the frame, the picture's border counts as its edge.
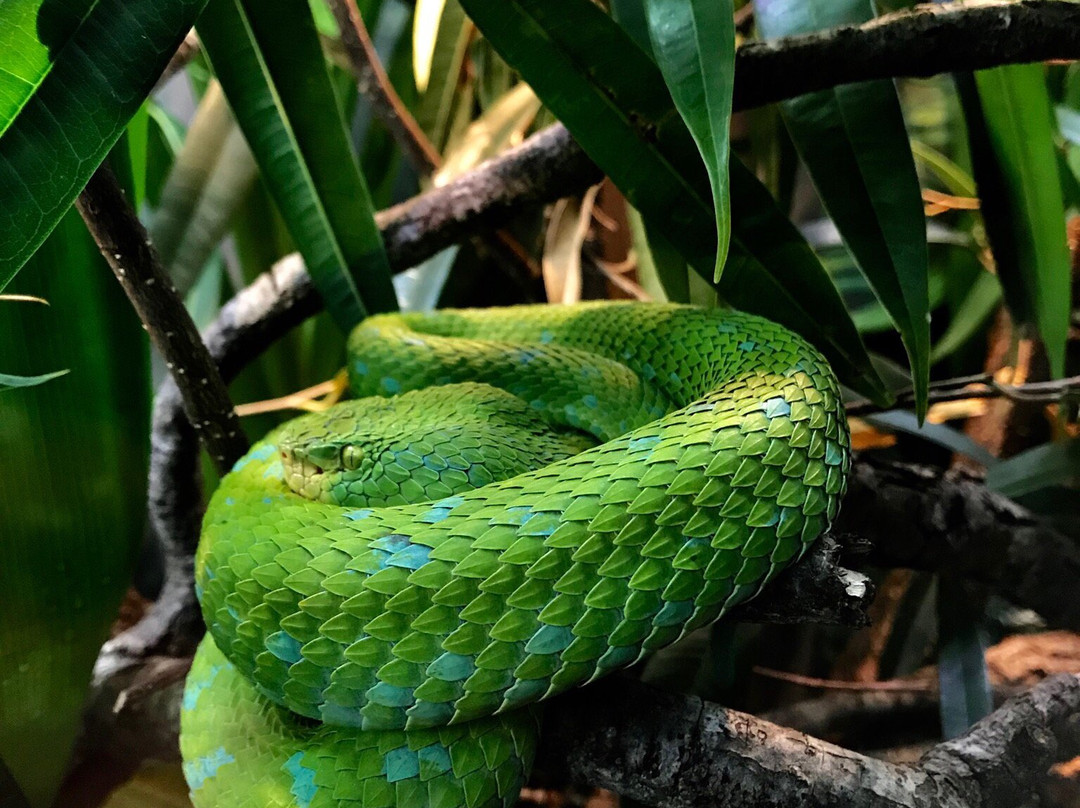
(517, 501)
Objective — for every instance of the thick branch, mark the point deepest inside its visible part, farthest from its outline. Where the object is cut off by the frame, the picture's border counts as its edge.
(677, 752)
(926, 41)
(950, 522)
(123, 241)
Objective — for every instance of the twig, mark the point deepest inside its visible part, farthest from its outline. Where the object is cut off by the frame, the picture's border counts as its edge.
(187, 51)
(123, 241)
(928, 40)
(981, 387)
(887, 686)
(375, 86)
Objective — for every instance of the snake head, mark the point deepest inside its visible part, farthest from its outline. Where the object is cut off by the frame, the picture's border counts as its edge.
(326, 456)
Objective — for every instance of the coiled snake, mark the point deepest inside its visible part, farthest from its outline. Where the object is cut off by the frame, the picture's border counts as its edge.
(518, 501)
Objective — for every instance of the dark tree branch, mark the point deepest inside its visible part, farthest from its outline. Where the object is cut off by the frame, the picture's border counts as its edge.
(674, 751)
(926, 41)
(949, 521)
(680, 752)
(123, 241)
(375, 86)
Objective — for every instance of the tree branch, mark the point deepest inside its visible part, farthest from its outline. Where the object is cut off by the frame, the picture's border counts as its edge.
(124, 242)
(673, 751)
(926, 41)
(948, 521)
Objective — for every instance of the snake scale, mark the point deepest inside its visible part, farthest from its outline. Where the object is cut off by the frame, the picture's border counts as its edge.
(516, 501)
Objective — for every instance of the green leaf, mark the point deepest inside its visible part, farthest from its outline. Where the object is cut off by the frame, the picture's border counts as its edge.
(694, 44)
(71, 76)
(939, 434)
(1052, 464)
(978, 304)
(10, 381)
(612, 97)
(661, 269)
(269, 61)
(213, 172)
(73, 513)
(962, 678)
(1022, 201)
(855, 145)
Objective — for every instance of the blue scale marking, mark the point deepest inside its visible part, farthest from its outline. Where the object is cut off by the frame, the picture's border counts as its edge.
(400, 764)
(591, 401)
(648, 442)
(519, 514)
(546, 336)
(340, 715)
(284, 647)
(363, 513)
(198, 771)
(261, 453)
(303, 787)
(549, 640)
(451, 667)
(391, 542)
(776, 406)
(434, 758)
(194, 689)
(434, 515)
(412, 557)
(390, 385)
(275, 469)
(360, 367)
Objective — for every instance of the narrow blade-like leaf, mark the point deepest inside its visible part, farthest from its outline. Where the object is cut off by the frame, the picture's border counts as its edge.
(612, 97)
(88, 66)
(269, 62)
(694, 44)
(9, 381)
(854, 143)
(1009, 121)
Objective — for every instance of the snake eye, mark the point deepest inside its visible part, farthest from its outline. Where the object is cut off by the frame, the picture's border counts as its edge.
(351, 456)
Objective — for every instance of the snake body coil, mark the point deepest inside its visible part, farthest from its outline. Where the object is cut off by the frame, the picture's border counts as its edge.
(519, 501)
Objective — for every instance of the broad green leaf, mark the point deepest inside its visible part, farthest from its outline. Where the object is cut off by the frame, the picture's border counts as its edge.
(73, 513)
(71, 76)
(1052, 464)
(10, 381)
(620, 111)
(272, 69)
(1022, 201)
(855, 145)
(694, 44)
(212, 173)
